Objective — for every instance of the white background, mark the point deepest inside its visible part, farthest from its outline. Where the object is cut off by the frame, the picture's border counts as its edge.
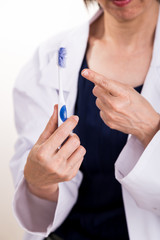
(24, 24)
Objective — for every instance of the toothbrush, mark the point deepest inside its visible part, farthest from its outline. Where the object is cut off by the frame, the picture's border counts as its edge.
(62, 110)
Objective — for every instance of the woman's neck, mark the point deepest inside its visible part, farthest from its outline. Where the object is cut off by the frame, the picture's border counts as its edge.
(130, 35)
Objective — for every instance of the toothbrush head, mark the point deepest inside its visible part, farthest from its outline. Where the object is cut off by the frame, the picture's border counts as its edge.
(62, 57)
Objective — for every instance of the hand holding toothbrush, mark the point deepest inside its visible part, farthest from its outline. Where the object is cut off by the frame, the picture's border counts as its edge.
(46, 165)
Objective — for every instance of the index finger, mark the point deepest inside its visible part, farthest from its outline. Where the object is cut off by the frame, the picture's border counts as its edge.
(61, 133)
(110, 85)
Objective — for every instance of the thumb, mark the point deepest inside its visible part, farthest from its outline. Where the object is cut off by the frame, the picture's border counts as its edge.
(50, 127)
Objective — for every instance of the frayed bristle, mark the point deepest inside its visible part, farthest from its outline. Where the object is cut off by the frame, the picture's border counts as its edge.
(62, 57)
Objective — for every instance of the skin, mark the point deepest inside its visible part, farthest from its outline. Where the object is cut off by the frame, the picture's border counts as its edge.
(125, 45)
(46, 165)
(123, 109)
(124, 37)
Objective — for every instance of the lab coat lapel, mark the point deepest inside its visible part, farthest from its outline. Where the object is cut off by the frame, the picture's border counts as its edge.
(138, 218)
(151, 89)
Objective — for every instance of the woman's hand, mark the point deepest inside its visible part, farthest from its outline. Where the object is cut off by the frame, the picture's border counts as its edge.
(123, 108)
(46, 165)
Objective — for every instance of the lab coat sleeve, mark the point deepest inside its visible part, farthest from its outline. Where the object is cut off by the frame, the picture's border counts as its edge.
(35, 215)
(138, 170)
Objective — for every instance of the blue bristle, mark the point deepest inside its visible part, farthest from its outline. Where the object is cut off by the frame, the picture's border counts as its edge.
(62, 57)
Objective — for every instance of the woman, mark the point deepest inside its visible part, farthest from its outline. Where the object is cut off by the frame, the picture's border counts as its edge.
(53, 197)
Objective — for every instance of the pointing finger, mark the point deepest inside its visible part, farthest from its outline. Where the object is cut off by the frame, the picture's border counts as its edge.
(111, 86)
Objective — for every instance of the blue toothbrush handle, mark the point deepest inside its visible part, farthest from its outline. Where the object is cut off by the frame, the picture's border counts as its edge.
(63, 113)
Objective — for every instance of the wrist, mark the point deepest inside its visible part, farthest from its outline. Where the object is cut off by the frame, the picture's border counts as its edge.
(49, 193)
(151, 130)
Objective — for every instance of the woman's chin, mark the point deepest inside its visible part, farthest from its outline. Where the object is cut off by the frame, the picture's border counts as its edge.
(125, 16)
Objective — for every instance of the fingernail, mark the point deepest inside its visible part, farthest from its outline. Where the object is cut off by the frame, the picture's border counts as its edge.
(85, 73)
(76, 118)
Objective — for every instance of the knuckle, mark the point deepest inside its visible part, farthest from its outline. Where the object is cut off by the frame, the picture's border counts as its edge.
(41, 154)
(92, 75)
(61, 158)
(58, 135)
(116, 107)
(72, 121)
(50, 169)
(63, 132)
(98, 102)
(111, 125)
(128, 88)
(80, 162)
(101, 114)
(110, 102)
(75, 140)
(110, 116)
(128, 94)
(108, 119)
(55, 166)
(102, 81)
(82, 150)
(95, 90)
(57, 170)
(65, 129)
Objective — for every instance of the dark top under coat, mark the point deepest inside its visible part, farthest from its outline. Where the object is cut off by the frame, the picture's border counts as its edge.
(99, 211)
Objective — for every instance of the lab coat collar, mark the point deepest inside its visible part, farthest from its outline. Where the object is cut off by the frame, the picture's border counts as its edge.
(75, 54)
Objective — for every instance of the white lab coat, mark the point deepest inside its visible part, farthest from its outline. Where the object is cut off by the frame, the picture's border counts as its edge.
(138, 170)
